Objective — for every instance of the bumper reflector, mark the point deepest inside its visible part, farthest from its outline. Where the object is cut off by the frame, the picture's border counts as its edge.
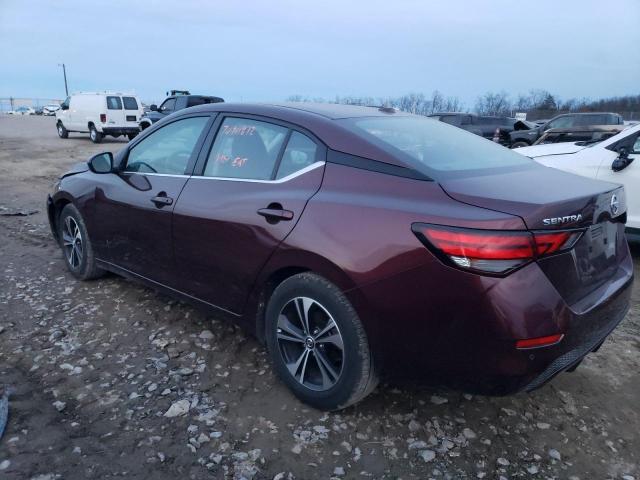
(539, 342)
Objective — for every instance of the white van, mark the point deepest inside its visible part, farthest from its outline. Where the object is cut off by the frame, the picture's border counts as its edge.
(99, 114)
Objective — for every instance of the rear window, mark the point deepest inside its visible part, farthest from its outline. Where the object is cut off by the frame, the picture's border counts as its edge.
(130, 103)
(114, 103)
(428, 146)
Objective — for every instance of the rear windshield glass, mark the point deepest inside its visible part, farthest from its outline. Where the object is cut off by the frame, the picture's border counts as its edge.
(431, 146)
(114, 103)
(130, 103)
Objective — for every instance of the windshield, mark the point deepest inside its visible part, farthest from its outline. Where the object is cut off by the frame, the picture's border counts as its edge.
(428, 145)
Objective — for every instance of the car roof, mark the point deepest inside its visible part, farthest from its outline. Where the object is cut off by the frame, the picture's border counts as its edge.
(585, 113)
(332, 111)
(588, 128)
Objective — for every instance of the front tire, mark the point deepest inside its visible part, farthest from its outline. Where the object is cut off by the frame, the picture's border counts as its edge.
(76, 245)
(131, 136)
(519, 144)
(95, 135)
(317, 343)
(62, 132)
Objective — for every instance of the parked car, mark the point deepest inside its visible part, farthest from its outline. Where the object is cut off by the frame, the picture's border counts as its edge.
(99, 114)
(579, 134)
(524, 138)
(492, 128)
(22, 111)
(358, 243)
(177, 101)
(611, 160)
(50, 109)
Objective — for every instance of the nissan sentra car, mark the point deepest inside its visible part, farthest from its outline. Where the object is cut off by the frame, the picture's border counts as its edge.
(358, 243)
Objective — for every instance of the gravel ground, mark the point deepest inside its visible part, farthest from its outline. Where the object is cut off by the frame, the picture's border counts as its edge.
(110, 379)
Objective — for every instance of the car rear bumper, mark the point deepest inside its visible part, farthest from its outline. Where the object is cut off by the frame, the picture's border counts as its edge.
(464, 336)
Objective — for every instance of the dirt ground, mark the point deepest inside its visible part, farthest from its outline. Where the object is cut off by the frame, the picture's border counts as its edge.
(93, 367)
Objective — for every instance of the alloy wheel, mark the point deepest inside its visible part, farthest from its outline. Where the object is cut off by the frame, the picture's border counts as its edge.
(310, 343)
(72, 242)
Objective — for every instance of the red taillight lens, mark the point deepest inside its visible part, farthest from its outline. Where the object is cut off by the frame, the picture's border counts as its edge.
(492, 251)
(103, 117)
(539, 342)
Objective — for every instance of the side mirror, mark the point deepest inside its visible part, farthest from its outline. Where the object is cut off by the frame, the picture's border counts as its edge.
(623, 160)
(153, 108)
(101, 163)
(64, 107)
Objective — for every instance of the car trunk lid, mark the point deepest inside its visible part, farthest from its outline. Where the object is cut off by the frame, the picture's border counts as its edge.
(548, 199)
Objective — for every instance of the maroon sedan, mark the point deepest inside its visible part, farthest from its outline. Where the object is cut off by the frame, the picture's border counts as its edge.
(358, 243)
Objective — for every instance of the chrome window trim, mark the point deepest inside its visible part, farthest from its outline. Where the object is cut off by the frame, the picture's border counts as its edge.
(291, 176)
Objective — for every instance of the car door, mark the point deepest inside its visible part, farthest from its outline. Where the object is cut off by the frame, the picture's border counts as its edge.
(628, 176)
(133, 207)
(249, 190)
(115, 112)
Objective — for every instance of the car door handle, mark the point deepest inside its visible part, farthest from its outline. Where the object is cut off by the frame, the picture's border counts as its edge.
(161, 200)
(275, 213)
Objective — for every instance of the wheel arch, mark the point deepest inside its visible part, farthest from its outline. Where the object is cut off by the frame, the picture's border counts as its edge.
(282, 266)
(54, 208)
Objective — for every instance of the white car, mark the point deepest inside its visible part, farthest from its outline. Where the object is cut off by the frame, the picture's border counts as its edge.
(612, 160)
(50, 109)
(99, 114)
(22, 111)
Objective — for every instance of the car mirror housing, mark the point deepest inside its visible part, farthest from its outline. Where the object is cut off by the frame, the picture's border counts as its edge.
(153, 108)
(101, 163)
(622, 161)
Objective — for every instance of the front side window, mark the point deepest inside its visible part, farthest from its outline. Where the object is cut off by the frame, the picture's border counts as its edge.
(636, 145)
(114, 103)
(245, 148)
(167, 150)
(301, 152)
(130, 103)
(562, 122)
(168, 105)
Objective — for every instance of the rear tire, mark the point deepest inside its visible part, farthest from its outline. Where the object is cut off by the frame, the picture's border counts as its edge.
(519, 144)
(76, 244)
(95, 135)
(317, 343)
(62, 132)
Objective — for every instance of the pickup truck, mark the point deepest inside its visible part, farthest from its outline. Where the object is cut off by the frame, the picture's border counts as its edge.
(524, 138)
(492, 128)
(173, 103)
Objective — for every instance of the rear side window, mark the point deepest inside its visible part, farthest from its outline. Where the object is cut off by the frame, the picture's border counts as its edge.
(429, 146)
(450, 119)
(168, 149)
(301, 152)
(130, 103)
(193, 101)
(114, 103)
(245, 148)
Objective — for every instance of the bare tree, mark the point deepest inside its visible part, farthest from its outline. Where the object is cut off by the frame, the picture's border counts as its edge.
(495, 104)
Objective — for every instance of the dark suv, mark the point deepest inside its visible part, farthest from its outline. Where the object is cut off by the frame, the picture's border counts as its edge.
(172, 104)
(524, 138)
(492, 128)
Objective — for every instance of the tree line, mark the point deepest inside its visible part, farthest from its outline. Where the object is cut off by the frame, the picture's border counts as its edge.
(536, 104)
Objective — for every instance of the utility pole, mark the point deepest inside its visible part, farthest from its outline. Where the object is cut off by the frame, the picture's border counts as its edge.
(64, 71)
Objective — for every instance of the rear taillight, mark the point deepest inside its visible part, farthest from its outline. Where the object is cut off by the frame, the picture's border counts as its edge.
(103, 117)
(496, 135)
(539, 342)
(492, 251)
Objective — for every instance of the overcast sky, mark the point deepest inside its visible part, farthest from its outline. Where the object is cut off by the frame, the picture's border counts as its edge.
(249, 50)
